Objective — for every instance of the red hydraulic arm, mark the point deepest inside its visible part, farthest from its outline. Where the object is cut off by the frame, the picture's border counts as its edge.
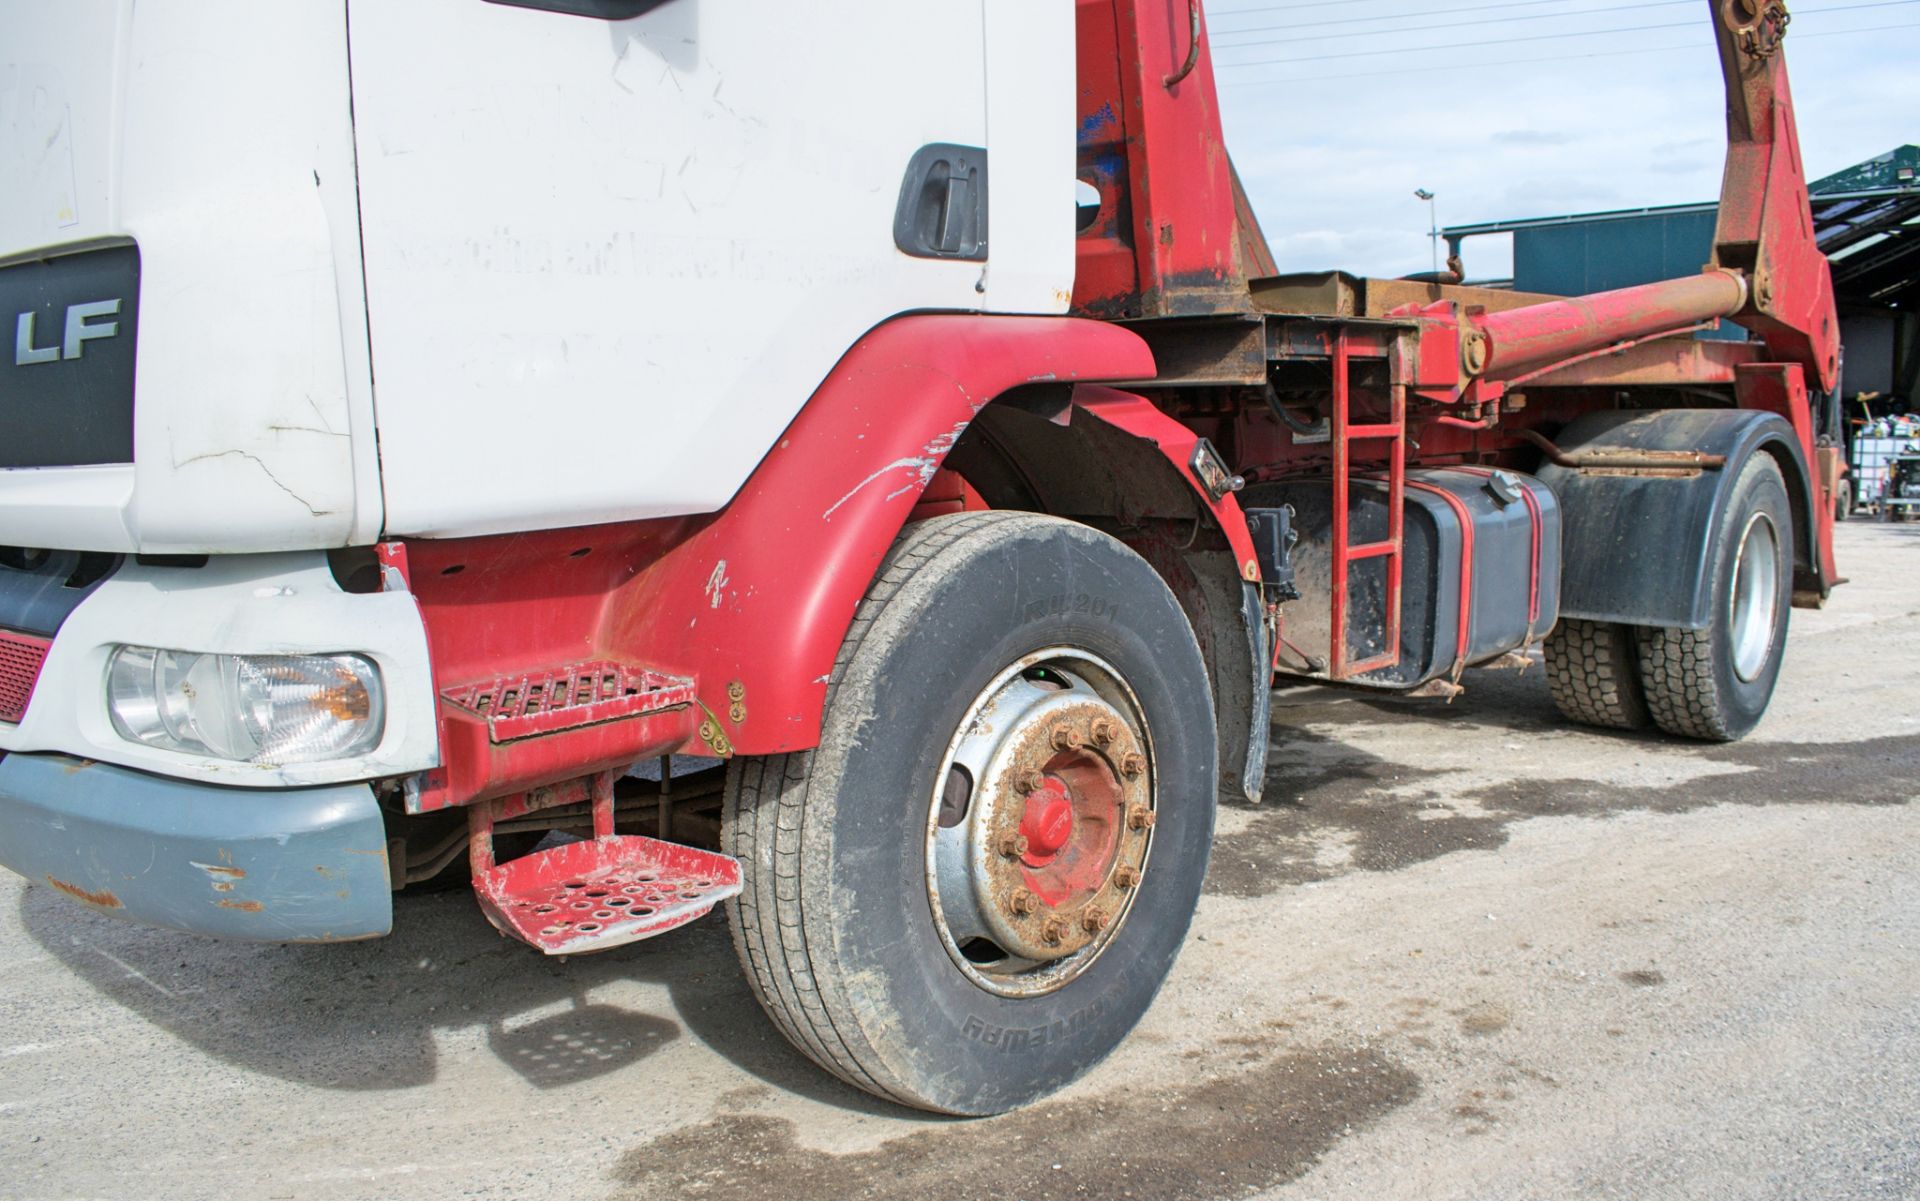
(1766, 223)
(1767, 272)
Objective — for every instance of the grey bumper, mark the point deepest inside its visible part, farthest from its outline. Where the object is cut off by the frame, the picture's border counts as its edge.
(300, 865)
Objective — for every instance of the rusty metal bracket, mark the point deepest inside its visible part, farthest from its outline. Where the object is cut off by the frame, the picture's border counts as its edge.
(1668, 460)
(1760, 25)
(711, 732)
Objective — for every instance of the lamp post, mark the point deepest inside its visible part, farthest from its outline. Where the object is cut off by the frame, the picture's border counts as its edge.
(1433, 224)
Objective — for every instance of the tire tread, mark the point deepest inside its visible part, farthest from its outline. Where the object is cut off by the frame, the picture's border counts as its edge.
(761, 819)
(1677, 666)
(1593, 676)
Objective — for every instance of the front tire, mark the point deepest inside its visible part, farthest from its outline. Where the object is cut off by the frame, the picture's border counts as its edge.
(1715, 683)
(998, 658)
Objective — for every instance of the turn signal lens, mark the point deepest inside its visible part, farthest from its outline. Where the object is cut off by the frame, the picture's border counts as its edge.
(267, 709)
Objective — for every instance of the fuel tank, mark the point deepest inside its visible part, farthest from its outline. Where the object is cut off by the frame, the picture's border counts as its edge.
(1481, 574)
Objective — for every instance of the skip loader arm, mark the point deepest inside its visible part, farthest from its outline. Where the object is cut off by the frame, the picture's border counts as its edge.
(1767, 272)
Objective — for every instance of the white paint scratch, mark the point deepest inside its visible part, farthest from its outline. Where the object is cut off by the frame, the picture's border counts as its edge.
(923, 465)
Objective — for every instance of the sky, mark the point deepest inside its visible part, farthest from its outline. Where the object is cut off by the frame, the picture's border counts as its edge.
(1337, 110)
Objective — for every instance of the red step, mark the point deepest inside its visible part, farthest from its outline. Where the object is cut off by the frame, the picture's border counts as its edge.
(606, 892)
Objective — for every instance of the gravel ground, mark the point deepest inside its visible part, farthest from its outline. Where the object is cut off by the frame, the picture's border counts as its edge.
(1464, 951)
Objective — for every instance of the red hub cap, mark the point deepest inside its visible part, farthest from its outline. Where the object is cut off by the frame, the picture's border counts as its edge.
(1048, 823)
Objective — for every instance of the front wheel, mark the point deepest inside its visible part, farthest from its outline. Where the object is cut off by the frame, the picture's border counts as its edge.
(973, 888)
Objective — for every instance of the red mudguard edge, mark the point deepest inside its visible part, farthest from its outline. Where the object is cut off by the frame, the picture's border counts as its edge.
(762, 597)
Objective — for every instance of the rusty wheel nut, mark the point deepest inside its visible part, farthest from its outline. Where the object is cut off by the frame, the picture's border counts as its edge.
(1054, 930)
(1022, 902)
(1132, 765)
(1127, 877)
(1094, 921)
(1064, 739)
(1013, 845)
(1029, 781)
(1139, 817)
(1103, 731)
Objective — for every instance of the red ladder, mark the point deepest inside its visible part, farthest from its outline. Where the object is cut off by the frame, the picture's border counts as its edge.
(1343, 434)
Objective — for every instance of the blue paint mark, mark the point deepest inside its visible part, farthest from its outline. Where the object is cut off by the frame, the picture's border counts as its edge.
(1097, 123)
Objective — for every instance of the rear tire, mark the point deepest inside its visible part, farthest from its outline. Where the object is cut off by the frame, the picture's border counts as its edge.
(847, 922)
(1715, 683)
(1594, 674)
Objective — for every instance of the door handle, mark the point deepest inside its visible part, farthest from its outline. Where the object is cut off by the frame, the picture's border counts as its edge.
(942, 212)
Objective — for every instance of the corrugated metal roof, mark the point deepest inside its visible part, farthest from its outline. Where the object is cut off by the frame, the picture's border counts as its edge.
(1866, 218)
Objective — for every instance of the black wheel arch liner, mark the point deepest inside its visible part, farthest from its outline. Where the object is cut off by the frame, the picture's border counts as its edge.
(1069, 452)
(1634, 545)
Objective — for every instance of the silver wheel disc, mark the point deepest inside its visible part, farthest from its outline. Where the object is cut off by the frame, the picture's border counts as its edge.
(1752, 606)
(1040, 823)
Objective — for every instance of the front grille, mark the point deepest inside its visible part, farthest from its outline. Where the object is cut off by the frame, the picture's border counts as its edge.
(20, 658)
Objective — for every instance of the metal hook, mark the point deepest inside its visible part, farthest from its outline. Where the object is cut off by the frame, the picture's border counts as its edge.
(1193, 45)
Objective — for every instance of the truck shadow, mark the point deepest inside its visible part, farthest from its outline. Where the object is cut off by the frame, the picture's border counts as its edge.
(372, 1015)
(1333, 807)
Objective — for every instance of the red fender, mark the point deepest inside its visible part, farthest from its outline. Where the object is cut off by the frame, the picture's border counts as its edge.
(762, 597)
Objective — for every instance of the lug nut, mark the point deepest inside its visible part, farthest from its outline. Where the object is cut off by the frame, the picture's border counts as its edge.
(1013, 845)
(1139, 817)
(1132, 765)
(1029, 781)
(1054, 930)
(1103, 731)
(1064, 739)
(1127, 877)
(1022, 902)
(1094, 921)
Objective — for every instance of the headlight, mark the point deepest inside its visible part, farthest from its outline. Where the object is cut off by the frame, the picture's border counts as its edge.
(251, 708)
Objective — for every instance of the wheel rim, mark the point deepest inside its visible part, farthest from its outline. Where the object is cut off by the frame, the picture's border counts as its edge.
(1040, 824)
(1755, 598)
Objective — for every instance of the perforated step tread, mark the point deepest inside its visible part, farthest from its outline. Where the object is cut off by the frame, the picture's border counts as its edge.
(604, 893)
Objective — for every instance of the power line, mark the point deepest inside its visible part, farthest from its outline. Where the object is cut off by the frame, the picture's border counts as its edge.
(1509, 62)
(1265, 8)
(1480, 8)
(1538, 37)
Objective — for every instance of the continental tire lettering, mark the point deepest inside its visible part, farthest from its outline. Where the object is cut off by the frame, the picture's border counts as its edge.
(1020, 1038)
(1080, 604)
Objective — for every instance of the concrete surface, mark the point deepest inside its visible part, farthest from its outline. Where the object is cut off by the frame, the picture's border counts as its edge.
(1465, 951)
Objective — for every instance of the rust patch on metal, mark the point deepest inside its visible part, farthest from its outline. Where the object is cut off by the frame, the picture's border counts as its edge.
(242, 906)
(222, 871)
(103, 899)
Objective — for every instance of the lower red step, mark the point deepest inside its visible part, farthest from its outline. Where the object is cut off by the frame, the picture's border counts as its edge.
(603, 893)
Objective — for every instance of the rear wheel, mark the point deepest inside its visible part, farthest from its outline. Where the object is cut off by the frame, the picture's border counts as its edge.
(1715, 683)
(1594, 676)
(973, 888)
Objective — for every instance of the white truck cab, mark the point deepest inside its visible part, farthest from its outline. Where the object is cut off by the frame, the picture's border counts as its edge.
(286, 279)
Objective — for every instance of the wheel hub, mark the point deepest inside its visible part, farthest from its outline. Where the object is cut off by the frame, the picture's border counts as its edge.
(1052, 847)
